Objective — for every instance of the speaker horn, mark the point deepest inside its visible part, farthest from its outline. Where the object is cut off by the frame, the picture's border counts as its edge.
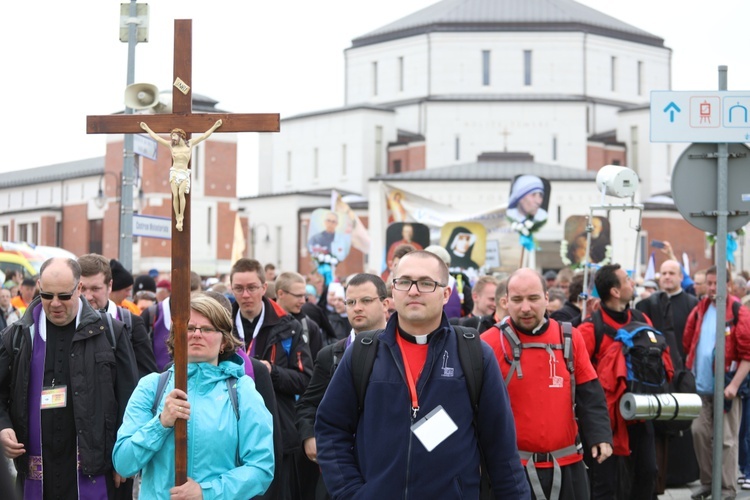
(141, 96)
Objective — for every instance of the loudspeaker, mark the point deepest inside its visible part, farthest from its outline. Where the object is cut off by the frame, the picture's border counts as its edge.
(141, 96)
(617, 181)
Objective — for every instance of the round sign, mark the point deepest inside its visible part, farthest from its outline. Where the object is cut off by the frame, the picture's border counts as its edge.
(694, 186)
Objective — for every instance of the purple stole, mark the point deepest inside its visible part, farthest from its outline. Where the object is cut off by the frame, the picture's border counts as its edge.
(161, 334)
(89, 487)
(452, 308)
(249, 370)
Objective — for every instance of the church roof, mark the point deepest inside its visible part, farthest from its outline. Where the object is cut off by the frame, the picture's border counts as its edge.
(493, 167)
(507, 15)
(53, 173)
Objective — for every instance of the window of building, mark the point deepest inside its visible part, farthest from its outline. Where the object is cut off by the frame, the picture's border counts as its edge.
(95, 236)
(378, 150)
(401, 74)
(343, 160)
(195, 164)
(639, 77)
(289, 166)
(316, 166)
(457, 148)
(613, 73)
(397, 166)
(34, 236)
(23, 232)
(554, 148)
(58, 234)
(634, 148)
(616, 161)
(375, 78)
(6, 233)
(485, 67)
(527, 67)
(208, 225)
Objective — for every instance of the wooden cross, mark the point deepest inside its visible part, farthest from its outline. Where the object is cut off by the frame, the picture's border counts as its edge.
(182, 117)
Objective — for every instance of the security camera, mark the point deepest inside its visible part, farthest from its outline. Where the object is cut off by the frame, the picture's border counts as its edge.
(617, 181)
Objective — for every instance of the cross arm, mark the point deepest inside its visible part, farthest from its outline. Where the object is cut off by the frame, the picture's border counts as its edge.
(190, 123)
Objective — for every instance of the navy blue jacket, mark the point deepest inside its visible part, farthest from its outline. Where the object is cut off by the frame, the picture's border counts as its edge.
(375, 454)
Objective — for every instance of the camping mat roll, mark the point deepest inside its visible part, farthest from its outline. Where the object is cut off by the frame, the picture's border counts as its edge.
(672, 406)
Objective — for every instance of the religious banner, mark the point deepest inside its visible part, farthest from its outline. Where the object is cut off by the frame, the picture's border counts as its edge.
(528, 202)
(466, 244)
(360, 237)
(400, 233)
(330, 240)
(573, 245)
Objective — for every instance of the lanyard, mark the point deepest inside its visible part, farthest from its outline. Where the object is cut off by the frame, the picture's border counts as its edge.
(409, 378)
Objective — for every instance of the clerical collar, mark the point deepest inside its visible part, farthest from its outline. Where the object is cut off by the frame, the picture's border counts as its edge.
(538, 330)
(675, 294)
(417, 339)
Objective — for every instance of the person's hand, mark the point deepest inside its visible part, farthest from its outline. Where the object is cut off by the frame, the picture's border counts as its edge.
(219, 123)
(268, 365)
(188, 491)
(143, 125)
(730, 391)
(118, 479)
(667, 250)
(11, 447)
(601, 451)
(175, 406)
(311, 449)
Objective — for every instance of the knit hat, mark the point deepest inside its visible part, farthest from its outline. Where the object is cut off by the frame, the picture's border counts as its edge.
(144, 283)
(164, 284)
(524, 184)
(550, 275)
(121, 278)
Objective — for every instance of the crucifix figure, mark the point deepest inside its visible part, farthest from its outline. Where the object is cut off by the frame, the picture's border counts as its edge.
(184, 119)
(179, 173)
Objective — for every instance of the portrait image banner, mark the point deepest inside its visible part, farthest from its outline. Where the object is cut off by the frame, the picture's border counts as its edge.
(575, 239)
(466, 244)
(400, 233)
(529, 200)
(330, 234)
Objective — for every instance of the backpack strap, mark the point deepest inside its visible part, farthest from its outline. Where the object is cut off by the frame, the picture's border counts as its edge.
(515, 345)
(110, 329)
(305, 330)
(364, 350)
(472, 363)
(569, 356)
(161, 387)
(127, 318)
(232, 388)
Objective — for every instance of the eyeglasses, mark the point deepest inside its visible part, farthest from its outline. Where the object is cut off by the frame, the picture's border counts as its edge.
(205, 330)
(62, 297)
(423, 285)
(298, 296)
(365, 301)
(239, 290)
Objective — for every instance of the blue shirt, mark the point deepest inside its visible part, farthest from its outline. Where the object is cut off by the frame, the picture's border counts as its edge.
(703, 368)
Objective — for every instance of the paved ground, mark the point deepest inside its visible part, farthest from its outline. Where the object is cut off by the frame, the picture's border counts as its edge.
(684, 493)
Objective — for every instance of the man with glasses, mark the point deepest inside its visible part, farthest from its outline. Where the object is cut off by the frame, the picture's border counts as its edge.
(417, 431)
(326, 241)
(367, 306)
(276, 339)
(65, 379)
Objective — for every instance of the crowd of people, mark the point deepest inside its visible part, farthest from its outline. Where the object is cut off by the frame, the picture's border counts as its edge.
(412, 384)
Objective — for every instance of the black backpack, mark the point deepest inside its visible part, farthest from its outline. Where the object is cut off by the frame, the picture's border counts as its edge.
(643, 347)
(365, 348)
(601, 328)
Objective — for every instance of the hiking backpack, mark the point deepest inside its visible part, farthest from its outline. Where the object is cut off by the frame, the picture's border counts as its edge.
(643, 347)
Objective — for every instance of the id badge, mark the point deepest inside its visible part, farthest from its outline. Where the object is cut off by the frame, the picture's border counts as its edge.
(434, 428)
(54, 397)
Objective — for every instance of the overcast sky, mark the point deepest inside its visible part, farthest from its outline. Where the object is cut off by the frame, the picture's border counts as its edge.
(62, 61)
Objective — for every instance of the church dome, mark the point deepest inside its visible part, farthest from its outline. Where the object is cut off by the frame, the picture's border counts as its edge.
(509, 16)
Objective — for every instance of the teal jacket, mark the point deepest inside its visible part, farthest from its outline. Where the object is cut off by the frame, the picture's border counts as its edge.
(213, 429)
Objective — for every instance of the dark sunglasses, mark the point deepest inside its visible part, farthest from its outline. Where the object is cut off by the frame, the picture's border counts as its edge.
(61, 296)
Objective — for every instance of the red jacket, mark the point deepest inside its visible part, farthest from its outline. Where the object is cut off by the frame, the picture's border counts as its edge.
(612, 370)
(737, 343)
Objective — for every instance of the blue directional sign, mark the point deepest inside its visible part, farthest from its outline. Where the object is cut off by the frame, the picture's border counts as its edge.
(700, 116)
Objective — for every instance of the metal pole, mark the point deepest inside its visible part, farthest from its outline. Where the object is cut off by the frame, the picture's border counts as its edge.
(128, 167)
(721, 304)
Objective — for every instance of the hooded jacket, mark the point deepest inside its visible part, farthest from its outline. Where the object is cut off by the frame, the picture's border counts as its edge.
(290, 370)
(213, 430)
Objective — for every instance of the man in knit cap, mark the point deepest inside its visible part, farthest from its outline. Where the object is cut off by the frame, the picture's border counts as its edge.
(122, 287)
